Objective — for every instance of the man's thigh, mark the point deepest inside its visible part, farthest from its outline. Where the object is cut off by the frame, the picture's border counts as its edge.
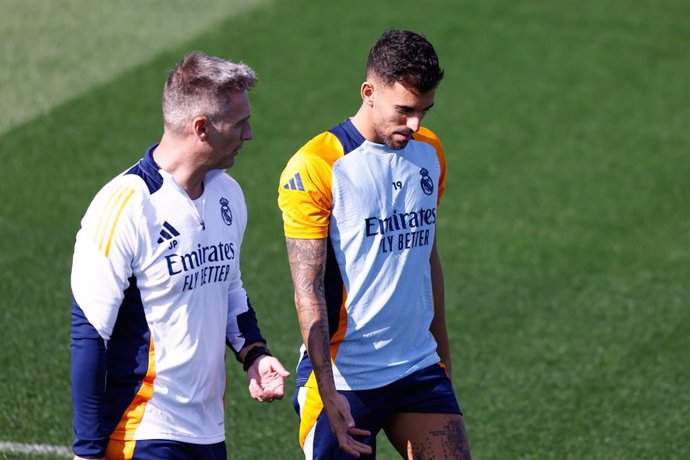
(427, 422)
(427, 436)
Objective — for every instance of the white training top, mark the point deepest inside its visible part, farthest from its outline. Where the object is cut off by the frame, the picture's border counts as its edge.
(160, 282)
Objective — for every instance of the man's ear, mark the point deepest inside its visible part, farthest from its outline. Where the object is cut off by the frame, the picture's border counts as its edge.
(200, 127)
(368, 93)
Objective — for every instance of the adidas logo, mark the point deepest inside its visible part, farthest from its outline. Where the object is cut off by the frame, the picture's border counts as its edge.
(167, 233)
(294, 184)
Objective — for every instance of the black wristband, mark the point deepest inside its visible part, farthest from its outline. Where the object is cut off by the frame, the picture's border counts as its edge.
(253, 354)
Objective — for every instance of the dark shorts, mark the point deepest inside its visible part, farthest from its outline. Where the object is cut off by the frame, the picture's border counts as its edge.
(424, 391)
(157, 449)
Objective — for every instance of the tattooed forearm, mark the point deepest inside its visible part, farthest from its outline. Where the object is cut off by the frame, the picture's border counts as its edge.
(318, 338)
(306, 250)
(307, 264)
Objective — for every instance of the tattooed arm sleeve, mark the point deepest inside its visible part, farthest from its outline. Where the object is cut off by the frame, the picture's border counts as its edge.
(307, 264)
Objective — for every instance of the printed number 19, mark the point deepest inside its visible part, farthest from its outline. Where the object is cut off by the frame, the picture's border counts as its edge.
(397, 185)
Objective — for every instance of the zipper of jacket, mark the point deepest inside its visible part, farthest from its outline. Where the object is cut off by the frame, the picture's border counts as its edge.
(190, 203)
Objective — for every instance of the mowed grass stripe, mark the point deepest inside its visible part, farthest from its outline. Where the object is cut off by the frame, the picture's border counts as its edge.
(56, 50)
(35, 449)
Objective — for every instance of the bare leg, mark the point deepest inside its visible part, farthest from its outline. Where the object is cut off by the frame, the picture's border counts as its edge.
(429, 436)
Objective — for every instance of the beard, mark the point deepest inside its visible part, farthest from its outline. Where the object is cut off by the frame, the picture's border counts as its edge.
(390, 140)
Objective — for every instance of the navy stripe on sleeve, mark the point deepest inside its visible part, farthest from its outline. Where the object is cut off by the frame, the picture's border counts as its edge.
(88, 385)
(248, 326)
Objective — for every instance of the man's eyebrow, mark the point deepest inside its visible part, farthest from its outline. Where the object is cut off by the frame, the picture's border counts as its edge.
(407, 107)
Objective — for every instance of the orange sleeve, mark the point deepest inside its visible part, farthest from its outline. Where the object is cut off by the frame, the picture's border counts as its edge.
(428, 136)
(304, 192)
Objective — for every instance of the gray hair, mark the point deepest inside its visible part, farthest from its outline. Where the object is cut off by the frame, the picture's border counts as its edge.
(201, 85)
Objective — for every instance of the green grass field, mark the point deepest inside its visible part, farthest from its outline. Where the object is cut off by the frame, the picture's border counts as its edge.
(564, 232)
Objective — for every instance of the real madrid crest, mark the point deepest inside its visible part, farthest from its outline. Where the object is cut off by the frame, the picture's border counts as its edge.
(427, 183)
(225, 211)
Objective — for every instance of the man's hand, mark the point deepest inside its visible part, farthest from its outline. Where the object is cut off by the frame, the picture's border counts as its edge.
(343, 426)
(307, 266)
(266, 376)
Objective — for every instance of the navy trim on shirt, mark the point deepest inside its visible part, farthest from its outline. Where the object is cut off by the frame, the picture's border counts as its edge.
(348, 136)
(147, 170)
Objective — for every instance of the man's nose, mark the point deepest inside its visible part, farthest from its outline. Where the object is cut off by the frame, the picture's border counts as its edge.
(414, 123)
(247, 133)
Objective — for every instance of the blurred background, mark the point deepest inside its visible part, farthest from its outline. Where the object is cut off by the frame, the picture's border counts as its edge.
(564, 231)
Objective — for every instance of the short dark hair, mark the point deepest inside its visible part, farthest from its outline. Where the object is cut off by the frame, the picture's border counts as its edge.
(405, 57)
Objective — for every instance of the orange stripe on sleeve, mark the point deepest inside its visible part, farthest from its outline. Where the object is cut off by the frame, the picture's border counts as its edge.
(339, 334)
(124, 431)
(428, 136)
